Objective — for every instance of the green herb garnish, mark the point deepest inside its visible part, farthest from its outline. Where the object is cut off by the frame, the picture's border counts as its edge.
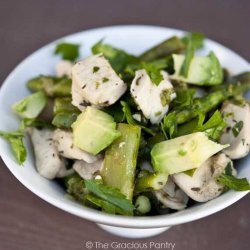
(68, 51)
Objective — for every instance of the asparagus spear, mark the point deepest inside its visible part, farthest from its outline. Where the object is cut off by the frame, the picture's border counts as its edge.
(64, 112)
(52, 86)
(243, 77)
(64, 119)
(150, 181)
(120, 160)
(142, 204)
(167, 47)
(64, 104)
(205, 104)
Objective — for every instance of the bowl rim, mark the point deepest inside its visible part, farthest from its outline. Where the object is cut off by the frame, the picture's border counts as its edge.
(119, 220)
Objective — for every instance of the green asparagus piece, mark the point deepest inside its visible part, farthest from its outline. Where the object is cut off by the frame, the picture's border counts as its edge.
(75, 186)
(150, 181)
(63, 104)
(196, 38)
(242, 78)
(118, 58)
(167, 47)
(64, 112)
(64, 119)
(52, 86)
(213, 127)
(142, 204)
(209, 102)
(120, 160)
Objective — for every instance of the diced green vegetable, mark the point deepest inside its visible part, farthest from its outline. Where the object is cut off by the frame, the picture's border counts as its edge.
(52, 86)
(63, 104)
(121, 158)
(183, 153)
(64, 119)
(15, 140)
(68, 51)
(75, 186)
(26, 122)
(150, 181)
(242, 78)
(180, 115)
(30, 106)
(202, 70)
(111, 195)
(65, 114)
(165, 48)
(142, 204)
(94, 130)
(118, 58)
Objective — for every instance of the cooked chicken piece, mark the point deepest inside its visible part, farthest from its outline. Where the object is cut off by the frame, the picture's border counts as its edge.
(86, 170)
(64, 68)
(237, 132)
(48, 161)
(63, 141)
(65, 172)
(171, 196)
(95, 83)
(153, 100)
(203, 185)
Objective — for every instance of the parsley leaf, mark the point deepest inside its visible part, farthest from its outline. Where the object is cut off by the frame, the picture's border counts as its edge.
(188, 58)
(213, 127)
(237, 128)
(118, 58)
(68, 51)
(154, 72)
(130, 120)
(15, 140)
(105, 205)
(196, 38)
(169, 124)
(234, 183)
(111, 195)
(184, 97)
(75, 186)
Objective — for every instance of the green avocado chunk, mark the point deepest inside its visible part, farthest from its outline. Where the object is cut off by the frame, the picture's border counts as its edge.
(121, 158)
(183, 153)
(94, 130)
(203, 70)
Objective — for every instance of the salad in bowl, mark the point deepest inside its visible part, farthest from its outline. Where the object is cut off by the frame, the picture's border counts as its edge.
(137, 135)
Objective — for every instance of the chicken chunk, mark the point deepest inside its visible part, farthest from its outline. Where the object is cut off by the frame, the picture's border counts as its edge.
(63, 141)
(237, 132)
(171, 196)
(63, 172)
(95, 83)
(203, 185)
(153, 100)
(64, 68)
(48, 162)
(88, 170)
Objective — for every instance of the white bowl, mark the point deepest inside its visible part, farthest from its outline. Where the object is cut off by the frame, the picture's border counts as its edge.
(134, 39)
